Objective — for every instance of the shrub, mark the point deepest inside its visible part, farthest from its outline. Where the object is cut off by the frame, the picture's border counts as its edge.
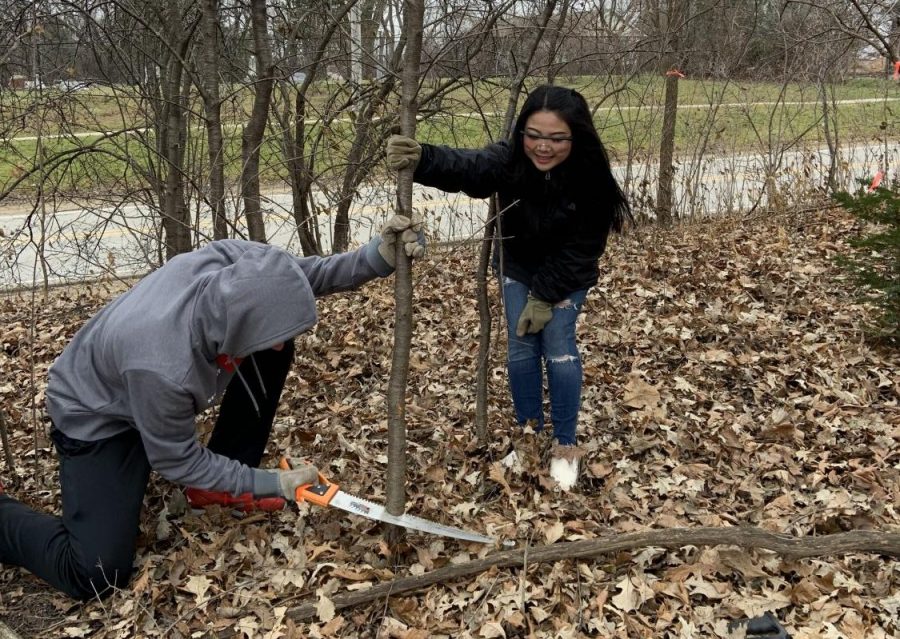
(874, 261)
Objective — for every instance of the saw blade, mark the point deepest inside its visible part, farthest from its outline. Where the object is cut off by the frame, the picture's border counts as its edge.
(366, 508)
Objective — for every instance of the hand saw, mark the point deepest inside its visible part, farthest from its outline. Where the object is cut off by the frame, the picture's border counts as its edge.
(325, 493)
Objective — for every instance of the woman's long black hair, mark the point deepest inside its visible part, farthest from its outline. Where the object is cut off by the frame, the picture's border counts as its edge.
(587, 166)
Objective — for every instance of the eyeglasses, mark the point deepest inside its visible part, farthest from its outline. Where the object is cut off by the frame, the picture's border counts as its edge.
(552, 140)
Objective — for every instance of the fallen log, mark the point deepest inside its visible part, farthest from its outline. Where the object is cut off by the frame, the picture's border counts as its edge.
(856, 541)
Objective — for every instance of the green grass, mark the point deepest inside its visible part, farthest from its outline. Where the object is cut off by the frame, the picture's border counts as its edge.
(628, 116)
(101, 164)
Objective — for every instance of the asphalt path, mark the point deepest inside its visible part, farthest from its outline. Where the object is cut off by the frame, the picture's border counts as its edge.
(119, 241)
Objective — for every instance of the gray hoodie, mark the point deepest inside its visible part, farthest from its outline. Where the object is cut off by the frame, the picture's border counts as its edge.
(148, 359)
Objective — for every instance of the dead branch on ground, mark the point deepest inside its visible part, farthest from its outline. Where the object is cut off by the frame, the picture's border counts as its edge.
(856, 541)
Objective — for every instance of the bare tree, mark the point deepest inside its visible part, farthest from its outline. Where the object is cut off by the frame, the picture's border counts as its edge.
(296, 148)
(252, 138)
(174, 85)
(667, 18)
(554, 45)
(413, 16)
(212, 104)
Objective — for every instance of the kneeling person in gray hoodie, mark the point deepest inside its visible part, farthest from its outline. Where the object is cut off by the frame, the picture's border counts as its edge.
(212, 326)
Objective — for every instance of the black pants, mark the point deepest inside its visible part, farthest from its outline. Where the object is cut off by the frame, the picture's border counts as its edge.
(90, 548)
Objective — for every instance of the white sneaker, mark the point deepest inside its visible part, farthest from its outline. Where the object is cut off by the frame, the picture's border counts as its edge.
(564, 465)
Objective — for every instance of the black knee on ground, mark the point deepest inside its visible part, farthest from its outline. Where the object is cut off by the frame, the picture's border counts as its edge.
(98, 581)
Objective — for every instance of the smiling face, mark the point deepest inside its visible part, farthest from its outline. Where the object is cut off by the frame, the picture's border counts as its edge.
(546, 140)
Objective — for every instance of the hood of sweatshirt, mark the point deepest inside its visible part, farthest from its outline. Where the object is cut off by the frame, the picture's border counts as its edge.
(260, 300)
(148, 359)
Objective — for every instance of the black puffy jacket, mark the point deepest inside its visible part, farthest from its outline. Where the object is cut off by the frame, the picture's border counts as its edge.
(549, 243)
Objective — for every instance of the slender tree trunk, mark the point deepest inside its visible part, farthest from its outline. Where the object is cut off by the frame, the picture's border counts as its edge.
(556, 37)
(484, 310)
(301, 181)
(360, 159)
(664, 190)
(830, 137)
(372, 10)
(294, 146)
(485, 322)
(252, 139)
(212, 104)
(414, 12)
(669, 15)
(175, 215)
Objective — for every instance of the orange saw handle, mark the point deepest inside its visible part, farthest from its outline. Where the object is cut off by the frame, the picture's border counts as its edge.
(319, 493)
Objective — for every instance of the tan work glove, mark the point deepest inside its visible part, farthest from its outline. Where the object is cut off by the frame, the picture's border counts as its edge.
(534, 316)
(402, 152)
(298, 473)
(410, 234)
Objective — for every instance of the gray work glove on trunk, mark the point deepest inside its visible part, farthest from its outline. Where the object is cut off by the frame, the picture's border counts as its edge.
(402, 152)
(410, 234)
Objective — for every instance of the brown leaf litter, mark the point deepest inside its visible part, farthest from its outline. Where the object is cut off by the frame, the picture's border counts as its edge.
(727, 383)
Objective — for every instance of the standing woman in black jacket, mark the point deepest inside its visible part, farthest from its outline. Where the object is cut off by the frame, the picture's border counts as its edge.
(559, 201)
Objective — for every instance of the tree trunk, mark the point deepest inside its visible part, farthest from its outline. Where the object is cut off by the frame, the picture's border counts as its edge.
(212, 105)
(556, 37)
(301, 181)
(372, 11)
(669, 16)
(485, 323)
(413, 16)
(252, 138)
(176, 224)
(361, 158)
(294, 146)
(664, 193)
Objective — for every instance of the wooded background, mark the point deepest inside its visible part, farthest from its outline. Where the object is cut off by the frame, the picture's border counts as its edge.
(198, 112)
(741, 436)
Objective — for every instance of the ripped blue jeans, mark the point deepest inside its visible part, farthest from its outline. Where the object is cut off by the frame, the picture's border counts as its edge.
(553, 347)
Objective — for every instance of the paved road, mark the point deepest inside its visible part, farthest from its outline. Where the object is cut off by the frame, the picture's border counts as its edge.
(86, 243)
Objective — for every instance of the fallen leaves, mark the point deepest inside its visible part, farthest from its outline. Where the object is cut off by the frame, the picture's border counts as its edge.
(726, 383)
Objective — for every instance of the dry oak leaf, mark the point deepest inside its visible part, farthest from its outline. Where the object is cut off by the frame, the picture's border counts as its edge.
(639, 394)
(553, 532)
(632, 595)
(325, 607)
(492, 630)
(198, 585)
